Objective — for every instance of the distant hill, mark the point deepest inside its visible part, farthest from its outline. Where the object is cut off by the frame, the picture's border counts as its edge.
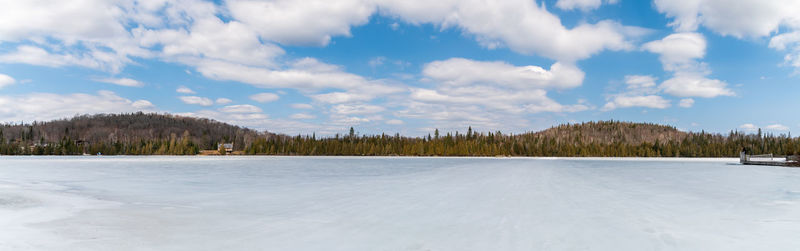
(134, 130)
(609, 132)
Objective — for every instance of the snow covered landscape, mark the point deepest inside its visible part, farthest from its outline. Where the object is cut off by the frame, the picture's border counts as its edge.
(385, 203)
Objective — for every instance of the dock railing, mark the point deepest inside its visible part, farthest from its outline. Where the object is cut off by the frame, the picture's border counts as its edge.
(768, 159)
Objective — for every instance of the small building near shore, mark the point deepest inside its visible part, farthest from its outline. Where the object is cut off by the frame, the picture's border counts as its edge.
(227, 147)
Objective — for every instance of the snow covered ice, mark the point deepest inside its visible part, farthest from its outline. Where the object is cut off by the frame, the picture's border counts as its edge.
(349, 203)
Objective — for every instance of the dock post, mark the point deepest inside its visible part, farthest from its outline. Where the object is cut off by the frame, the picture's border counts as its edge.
(742, 157)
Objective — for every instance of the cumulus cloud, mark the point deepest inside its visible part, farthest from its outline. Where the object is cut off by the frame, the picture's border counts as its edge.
(350, 109)
(50, 106)
(301, 106)
(460, 72)
(195, 100)
(583, 5)
(774, 127)
(480, 93)
(695, 85)
(222, 101)
(679, 51)
(763, 18)
(310, 22)
(306, 74)
(240, 109)
(520, 25)
(302, 116)
(748, 127)
(639, 91)
(27, 54)
(680, 54)
(6, 80)
(788, 42)
(209, 38)
(649, 101)
(777, 127)
(264, 97)
(121, 81)
(185, 90)
(89, 19)
(394, 122)
(686, 103)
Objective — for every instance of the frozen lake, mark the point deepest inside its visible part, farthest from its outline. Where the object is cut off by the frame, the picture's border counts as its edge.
(348, 203)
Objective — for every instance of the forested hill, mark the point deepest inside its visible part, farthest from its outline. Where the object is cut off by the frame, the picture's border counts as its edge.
(609, 132)
(144, 134)
(136, 133)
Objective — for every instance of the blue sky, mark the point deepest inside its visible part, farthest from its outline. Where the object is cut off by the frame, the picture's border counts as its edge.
(406, 66)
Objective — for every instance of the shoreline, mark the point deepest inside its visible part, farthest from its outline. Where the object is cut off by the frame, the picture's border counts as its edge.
(232, 157)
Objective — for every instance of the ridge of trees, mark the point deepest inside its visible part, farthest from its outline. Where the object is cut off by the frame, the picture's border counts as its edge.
(117, 134)
(164, 134)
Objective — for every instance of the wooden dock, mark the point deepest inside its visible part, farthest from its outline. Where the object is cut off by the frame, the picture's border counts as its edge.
(768, 160)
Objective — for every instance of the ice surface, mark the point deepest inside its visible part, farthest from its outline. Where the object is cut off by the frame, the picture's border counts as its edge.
(347, 203)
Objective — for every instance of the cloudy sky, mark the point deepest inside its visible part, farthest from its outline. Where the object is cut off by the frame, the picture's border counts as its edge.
(406, 66)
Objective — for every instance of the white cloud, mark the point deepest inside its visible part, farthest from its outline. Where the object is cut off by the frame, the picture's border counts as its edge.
(6, 80)
(649, 101)
(695, 85)
(185, 90)
(240, 109)
(508, 101)
(50, 106)
(306, 74)
(460, 71)
(785, 40)
(679, 51)
(788, 40)
(341, 97)
(640, 83)
(195, 100)
(639, 91)
(309, 22)
(520, 25)
(583, 5)
(481, 93)
(212, 39)
(350, 121)
(777, 127)
(121, 81)
(302, 116)
(745, 18)
(686, 103)
(222, 101)
(264, 97)
(301, 106)
(394, 122)
(350, 109)
(680, 54)
(748, 127)
(763, 17)
(143, 104)
(88, 19)
(27, 54)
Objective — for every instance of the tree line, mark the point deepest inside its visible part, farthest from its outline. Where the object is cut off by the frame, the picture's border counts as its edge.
(121, 134)
(163, 134)
(595, 139)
